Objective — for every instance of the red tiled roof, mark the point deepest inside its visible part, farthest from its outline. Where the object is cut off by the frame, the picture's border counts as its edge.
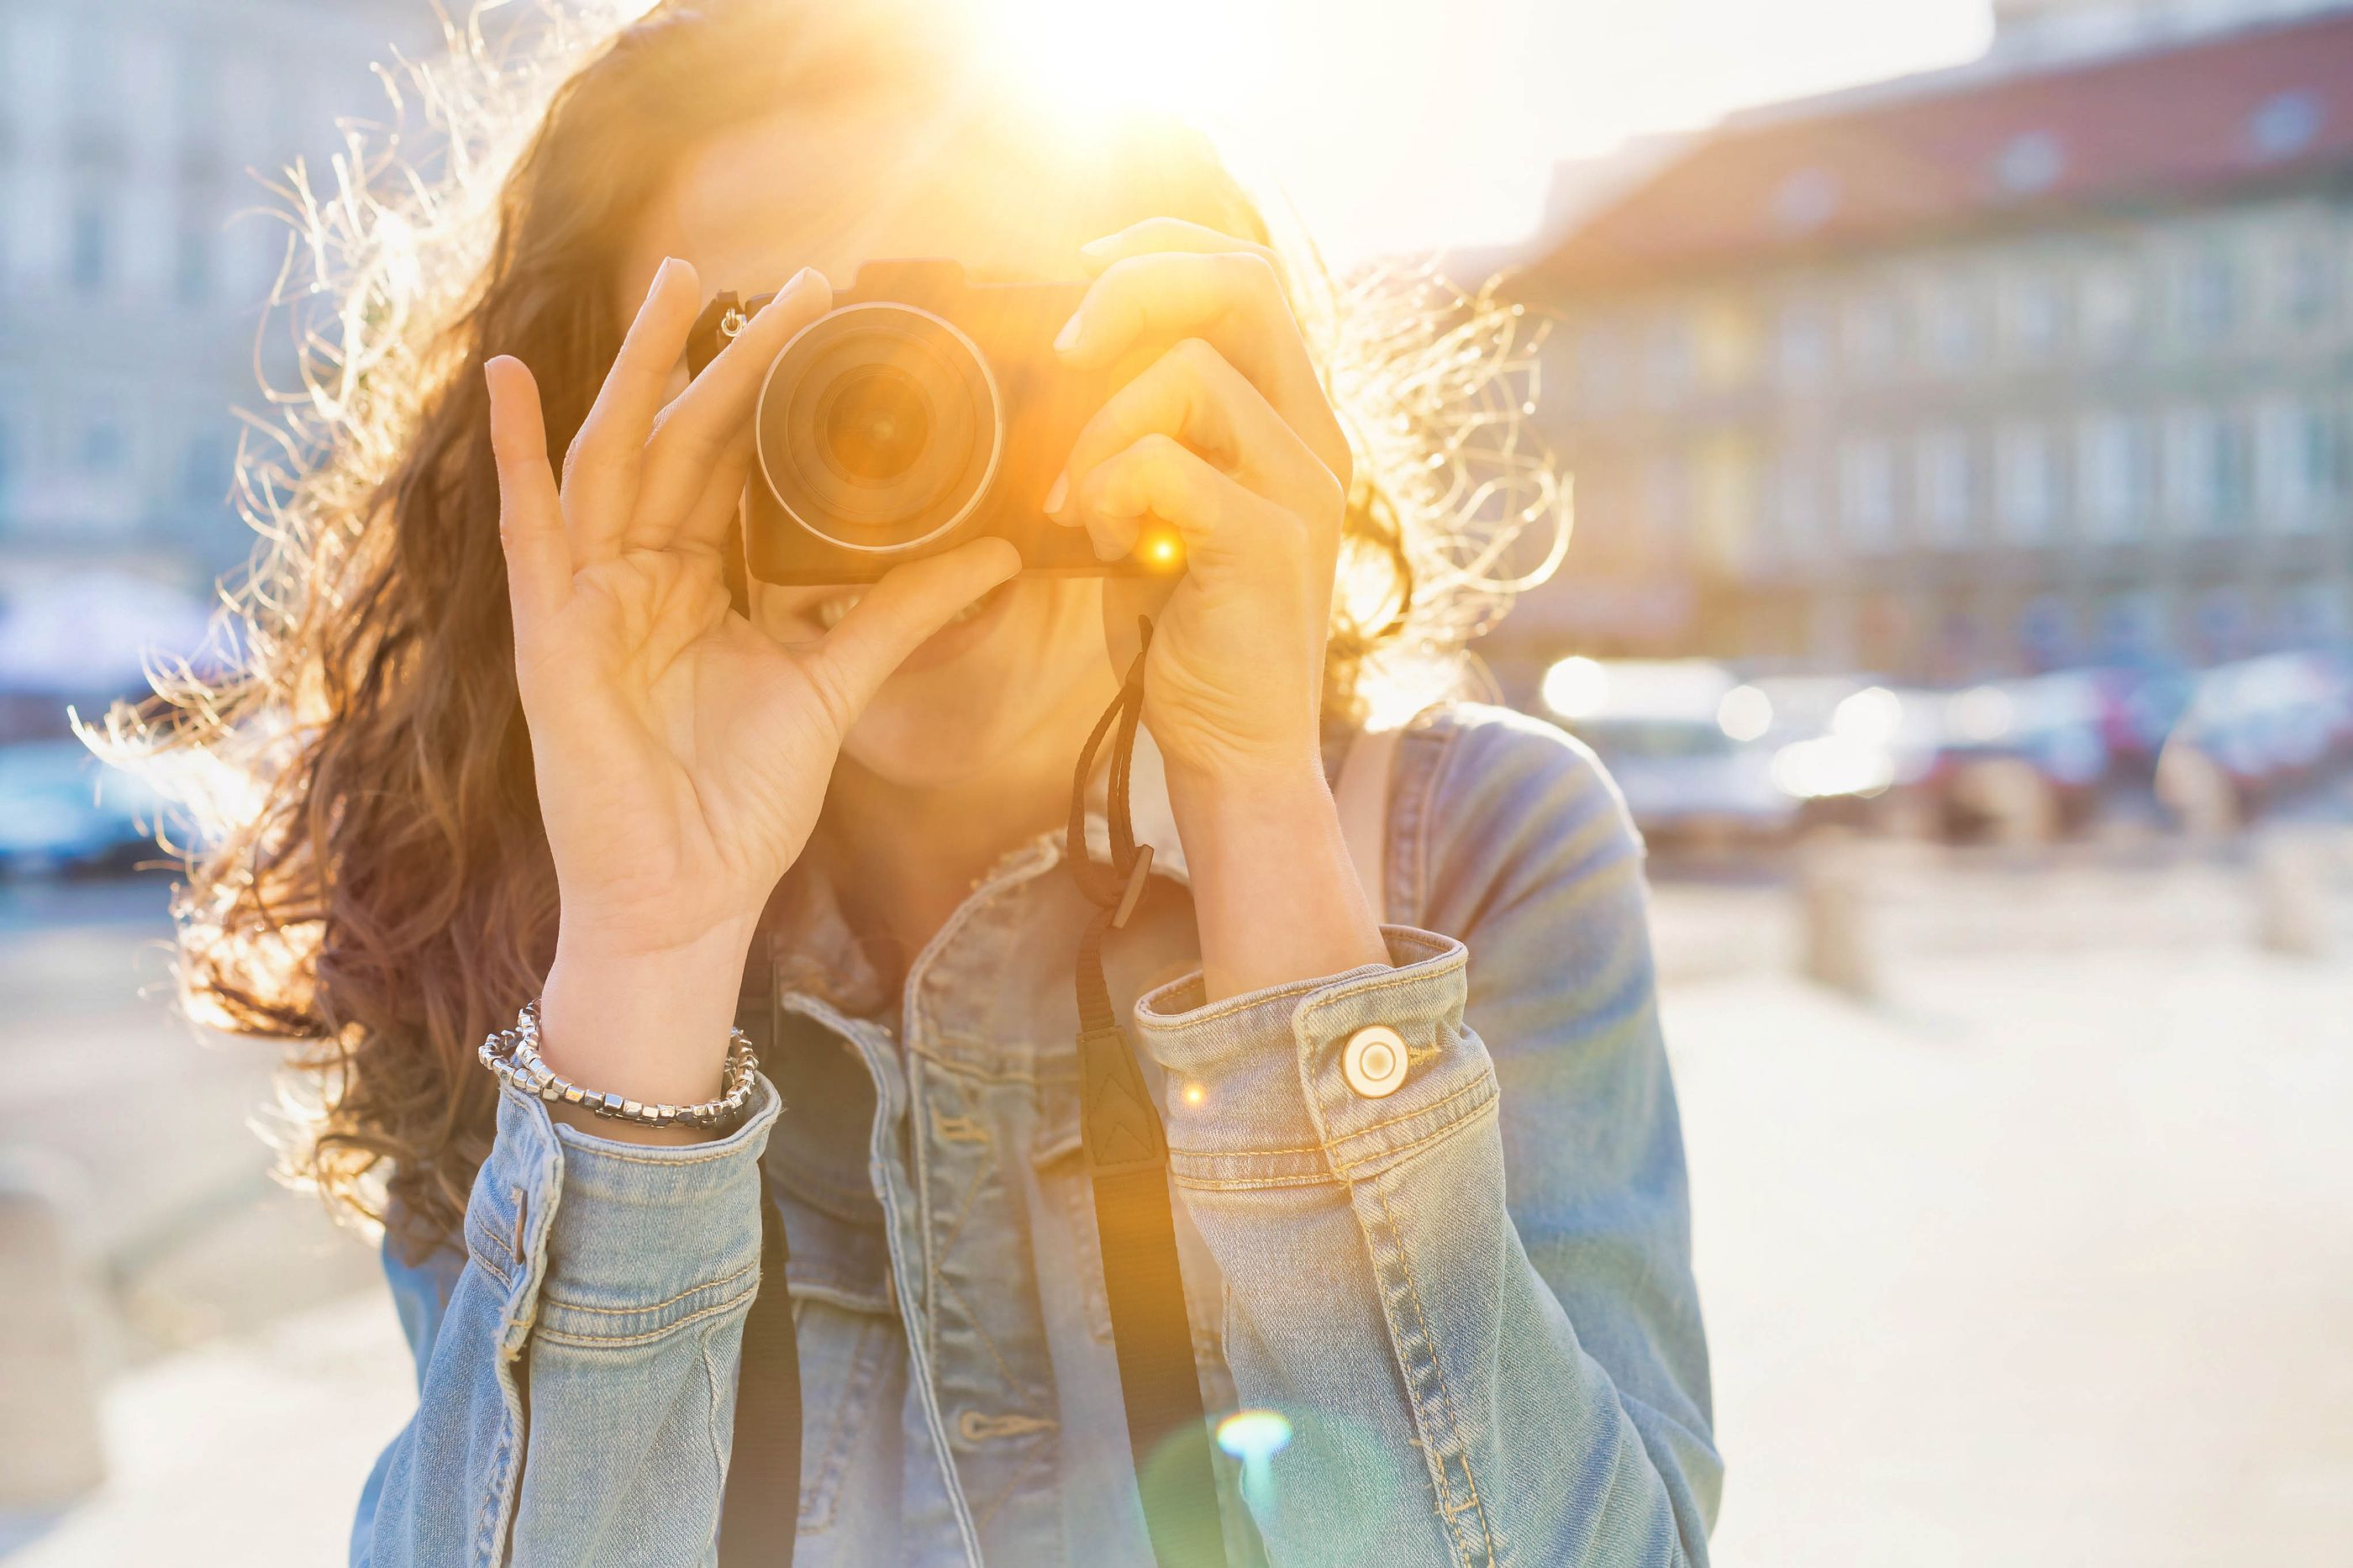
(2174, 123)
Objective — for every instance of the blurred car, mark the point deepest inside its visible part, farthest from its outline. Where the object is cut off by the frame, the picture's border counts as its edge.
(2139, 707)
(1675, 735)
(2025, 757)
(2265, 725)
(62, 811)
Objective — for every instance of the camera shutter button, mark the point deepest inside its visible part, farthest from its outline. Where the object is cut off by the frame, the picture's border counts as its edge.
(1373, 1061)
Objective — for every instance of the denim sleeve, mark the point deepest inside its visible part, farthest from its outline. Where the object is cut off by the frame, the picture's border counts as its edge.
(577, 1382)
(1473, 1299)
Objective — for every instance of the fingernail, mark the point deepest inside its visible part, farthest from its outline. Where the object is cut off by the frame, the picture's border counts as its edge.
(1070, 336)
(1097, 247)
(660, 273)
(800, 279)
(1057, 495)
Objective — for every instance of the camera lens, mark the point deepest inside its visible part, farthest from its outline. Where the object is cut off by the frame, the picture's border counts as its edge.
(878, 428)
(875, 425)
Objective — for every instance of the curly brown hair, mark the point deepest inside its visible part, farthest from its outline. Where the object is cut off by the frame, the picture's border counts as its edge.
(371, 885)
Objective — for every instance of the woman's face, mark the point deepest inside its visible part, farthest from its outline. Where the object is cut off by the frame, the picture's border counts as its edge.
(1026, 670)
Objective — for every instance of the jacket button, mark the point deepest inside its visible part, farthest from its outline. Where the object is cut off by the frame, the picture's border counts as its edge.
(1373, 1061)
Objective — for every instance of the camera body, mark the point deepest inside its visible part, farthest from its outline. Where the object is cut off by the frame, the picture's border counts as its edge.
(924, 410)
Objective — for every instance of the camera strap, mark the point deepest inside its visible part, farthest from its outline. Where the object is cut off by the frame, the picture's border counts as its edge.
(1127, 1165)
(760, 1509)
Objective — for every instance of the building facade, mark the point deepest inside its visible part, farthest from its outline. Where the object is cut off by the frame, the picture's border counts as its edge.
(1993, 371)
(137, 244)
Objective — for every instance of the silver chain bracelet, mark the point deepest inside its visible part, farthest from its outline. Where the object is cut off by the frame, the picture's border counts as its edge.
(513, 1054)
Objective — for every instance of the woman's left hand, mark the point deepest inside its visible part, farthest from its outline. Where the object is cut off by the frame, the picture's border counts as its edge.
(1227, 437)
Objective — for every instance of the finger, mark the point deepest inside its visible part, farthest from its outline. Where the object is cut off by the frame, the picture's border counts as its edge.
(530, 511)
(1218, 519)
(901, 610)
(1232, 298)
(709, 424)
(601, 471)
(1168, 234)
(1193, 393)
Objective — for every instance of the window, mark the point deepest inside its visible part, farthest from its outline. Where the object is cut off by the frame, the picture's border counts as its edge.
(1666, 501)
(1666, 363)
(2296, 464)
(2031, 311)
(2304, 281)
(2027, 472)
(2112, 462)
(1797, 505)
(2210, 294)
(1943, 493)
(1802, 345)
(1867, 495)
(1956, 333)
(2206, 469)
(2108, 305)
(1875, 335)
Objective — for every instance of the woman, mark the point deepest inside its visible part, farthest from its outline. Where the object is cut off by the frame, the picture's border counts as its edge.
(516, 739)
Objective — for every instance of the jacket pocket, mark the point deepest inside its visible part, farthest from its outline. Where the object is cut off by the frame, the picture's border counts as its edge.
(849, 1362)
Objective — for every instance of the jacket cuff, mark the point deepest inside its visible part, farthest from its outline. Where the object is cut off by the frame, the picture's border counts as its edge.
(1257, 1093)
(605, 1242)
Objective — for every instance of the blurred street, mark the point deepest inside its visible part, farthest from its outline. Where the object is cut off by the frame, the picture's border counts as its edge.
(2043, 1255)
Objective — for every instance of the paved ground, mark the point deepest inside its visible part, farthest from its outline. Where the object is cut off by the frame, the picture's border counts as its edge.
(2045, 1255)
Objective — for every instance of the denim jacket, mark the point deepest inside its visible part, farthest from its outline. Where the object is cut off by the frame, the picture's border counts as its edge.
(1471, 1298)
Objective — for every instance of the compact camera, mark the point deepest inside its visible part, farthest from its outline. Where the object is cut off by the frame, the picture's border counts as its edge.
(923, 410)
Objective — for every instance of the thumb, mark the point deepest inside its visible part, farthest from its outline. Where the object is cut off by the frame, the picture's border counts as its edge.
(902, 609)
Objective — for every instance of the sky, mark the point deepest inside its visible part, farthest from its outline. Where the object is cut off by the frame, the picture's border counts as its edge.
(1400, 125)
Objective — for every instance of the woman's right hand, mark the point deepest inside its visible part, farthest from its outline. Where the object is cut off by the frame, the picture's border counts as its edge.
(681, 753)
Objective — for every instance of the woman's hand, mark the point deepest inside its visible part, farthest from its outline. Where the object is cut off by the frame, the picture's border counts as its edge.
(681, 753)
(1226, 436)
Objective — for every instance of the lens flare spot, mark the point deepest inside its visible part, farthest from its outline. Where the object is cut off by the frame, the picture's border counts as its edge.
(1255, 1438)
(1194, 1095)
(1163, 549)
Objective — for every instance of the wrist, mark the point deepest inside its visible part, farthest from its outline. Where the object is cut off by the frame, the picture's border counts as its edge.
(1274, 893)
(650, 1025)
(1267, 785)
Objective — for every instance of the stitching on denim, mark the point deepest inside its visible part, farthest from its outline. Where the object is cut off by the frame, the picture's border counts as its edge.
(1447, 957)
(1442, 964)
(599, 1341)
(491, 1268)
(1248, 1184)
(1436, 1105)
(480, 1228)
(699, 1159)
(1341, 1170)
(1020, 1473)
(957, 1129)
(820, 1501)
(553, 1299)
(1438, 1374)
(967, 1069)
(988, 1341)
(1470, 1117)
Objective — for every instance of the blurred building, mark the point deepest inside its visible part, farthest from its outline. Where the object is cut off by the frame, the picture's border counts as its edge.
(2047, 359)
(136, 248)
